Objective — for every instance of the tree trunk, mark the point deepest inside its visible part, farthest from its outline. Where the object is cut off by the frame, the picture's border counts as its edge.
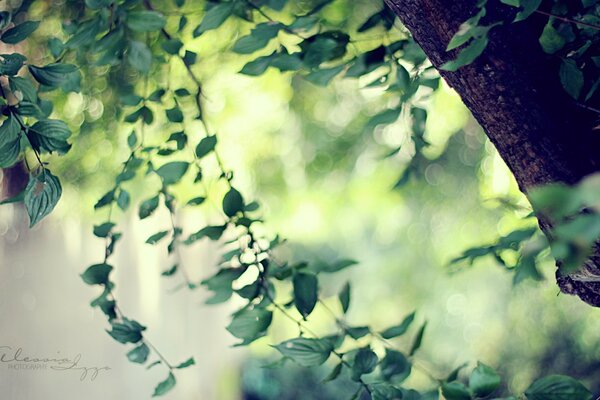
(514, 92)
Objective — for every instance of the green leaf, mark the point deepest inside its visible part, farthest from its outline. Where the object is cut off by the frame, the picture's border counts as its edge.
(358, 332)
(468, 54)
(52, 75)
(571, 78)
(187, 363)
(306, 352)
(97, 274)
(529, 6)
(127, 331)
(10, 141)
(551, 40)
(50, 135)
(365, 362)
(172, 46)
(171, 271)
(196, 201)
(103, 230)
(258, 38)
(400, 329)
(258, 66)
(165, 386)
(418, 339)
(139, 56)
(484, 380)
(305, 292)
(148, 206)
(139, 355)
(557, 387)
(145, 21)
(174, 114)
(455, 391)
(250, 325)
(19, 32)
(105, 200)
(41, 195)
(211, 232)
(153, 239)
(395, 364)
(334, 373)
(214, 18)
(123, 200)
(233, 202)
(344, 297)
(172, 172)
(10, 64)
(23, 89)
(205, 146)
(322, 77)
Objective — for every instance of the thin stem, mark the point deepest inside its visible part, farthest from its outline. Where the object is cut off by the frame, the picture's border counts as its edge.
(158, 353)
(571, 21)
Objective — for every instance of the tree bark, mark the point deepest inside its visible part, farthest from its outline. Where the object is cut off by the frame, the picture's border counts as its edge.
(514, 92)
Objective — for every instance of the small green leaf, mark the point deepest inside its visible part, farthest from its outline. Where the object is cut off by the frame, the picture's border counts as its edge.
(455, 391)
(139, 56)
(53, 75)
(214, 18)
(557, 387)
(551, 40)
(365, 362)
(171, 271)
(165, 386)
(148, 206)
(196, 201)
(97, 274)
(418, 339)
(19, 32)
(395, 365)
(529, 7)
(334, 373)
(233, 202)
(140, 354)
(127, 331)
(153, 239)
(305, 292)
(250, 325)
(357, 332)
(467, 55)
(306, 352)
(400, 329)
(41, 195)
(344, 297)
(571, 78)
(322, 77)
(484, 380)
(172, 46)
(10, 64)
(187, 363)
(123, 200)
(145, 21)
(174, 115)
(205, 146)
(103, 230)
(172, 172)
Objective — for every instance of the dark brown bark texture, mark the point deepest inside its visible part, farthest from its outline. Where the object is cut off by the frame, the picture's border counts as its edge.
(513, 90)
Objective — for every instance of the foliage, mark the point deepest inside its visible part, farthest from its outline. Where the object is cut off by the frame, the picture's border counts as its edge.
(133, 39)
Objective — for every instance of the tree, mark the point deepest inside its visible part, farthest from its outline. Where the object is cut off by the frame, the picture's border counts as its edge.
(514, 91)
(518, 94)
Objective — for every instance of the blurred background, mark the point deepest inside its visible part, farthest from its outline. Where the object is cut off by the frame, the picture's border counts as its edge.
(319, 169)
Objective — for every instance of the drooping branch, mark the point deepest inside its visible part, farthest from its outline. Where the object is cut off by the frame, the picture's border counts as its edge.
(514, 92)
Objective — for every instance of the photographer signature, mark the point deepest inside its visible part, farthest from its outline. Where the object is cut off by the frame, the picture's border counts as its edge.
(15, 356)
